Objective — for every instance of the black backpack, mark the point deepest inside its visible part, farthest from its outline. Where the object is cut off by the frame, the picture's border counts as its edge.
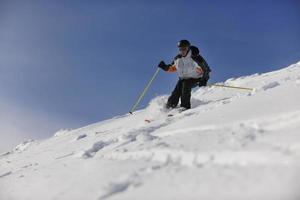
(202, 63)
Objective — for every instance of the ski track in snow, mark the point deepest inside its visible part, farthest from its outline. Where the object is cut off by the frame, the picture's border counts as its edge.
(5, 174)
(79, 137)
(247, 130)
(120, 185)
(89, 153)
(270, 85)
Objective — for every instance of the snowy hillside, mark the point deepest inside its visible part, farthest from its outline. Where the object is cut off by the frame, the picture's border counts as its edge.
(232, 145)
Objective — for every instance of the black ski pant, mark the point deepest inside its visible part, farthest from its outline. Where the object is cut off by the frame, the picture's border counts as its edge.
(182, 91)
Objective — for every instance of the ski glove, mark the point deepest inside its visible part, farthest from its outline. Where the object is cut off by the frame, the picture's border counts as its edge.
(163, 65)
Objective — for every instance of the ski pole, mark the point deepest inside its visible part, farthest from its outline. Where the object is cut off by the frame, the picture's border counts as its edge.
(233, 87)
(144, 91)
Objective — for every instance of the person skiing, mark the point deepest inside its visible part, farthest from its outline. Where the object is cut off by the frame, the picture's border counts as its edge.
(192, 70)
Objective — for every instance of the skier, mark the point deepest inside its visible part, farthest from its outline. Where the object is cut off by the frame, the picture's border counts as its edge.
(192, 70)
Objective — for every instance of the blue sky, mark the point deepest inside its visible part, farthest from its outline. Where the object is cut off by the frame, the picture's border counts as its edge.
(65, 64)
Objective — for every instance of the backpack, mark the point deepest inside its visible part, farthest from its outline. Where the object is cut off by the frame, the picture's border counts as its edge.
(202, 63)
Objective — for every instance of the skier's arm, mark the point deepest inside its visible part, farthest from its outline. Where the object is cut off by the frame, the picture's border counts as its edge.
(172, 68)
(165, 67)
(203, 64)
(199, 70)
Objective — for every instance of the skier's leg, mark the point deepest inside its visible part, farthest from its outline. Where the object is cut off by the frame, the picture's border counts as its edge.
(187, 86)
(174, 98)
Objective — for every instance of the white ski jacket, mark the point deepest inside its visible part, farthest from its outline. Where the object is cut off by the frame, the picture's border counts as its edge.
(186, 67)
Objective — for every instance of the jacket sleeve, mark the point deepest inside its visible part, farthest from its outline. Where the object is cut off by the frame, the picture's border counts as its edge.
(172, 68)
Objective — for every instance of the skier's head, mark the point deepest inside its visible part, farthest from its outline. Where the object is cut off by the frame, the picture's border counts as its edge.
(183, 47)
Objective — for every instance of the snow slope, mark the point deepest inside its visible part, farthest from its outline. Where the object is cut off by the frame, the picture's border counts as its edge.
(232, 145)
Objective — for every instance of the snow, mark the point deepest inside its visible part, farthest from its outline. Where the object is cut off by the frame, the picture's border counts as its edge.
(62, 132)
(233, 144)
(23, 146)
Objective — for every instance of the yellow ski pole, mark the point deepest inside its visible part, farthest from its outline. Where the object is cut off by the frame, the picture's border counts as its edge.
(144, 91)
(233, 87)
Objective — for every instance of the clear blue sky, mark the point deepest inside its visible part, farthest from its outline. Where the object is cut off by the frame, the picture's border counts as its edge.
(72, 63)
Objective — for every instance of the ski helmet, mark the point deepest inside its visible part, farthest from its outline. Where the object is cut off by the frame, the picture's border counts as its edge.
(183, 43)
